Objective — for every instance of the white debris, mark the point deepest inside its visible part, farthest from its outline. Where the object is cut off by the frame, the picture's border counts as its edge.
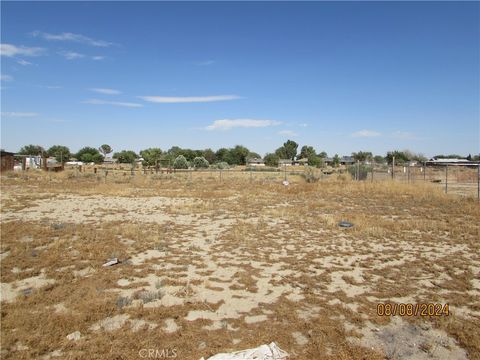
(111, 262)
(285, 182)
(263, 352)
(74, 336)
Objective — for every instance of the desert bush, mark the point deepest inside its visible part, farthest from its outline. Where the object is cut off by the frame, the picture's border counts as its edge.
(221, 165)
(200, 163)
(363, 171)
(180, 162)
(310, 176)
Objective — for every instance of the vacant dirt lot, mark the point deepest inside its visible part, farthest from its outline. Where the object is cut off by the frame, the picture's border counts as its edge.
(212, 265)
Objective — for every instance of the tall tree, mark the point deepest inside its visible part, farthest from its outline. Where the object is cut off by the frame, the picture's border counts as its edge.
(89, 154)
(60, 152)
(290, 149)
(125, 156)
(151, 156)
(209, 155)
(362, 156)
(271, 159)
(32, 150)
(105, 149)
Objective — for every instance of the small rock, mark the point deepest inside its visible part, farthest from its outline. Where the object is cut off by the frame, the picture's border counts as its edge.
(74, 336)
(345, 224)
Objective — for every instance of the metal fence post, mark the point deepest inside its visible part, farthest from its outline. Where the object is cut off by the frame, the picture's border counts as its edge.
(478, 182)
(446, 179)
(393, 167)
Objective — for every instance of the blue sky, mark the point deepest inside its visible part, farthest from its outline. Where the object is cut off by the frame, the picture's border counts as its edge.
(340, 76)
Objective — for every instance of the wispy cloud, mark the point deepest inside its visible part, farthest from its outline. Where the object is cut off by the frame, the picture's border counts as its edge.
(71, 55)
(303, 125)
(4, 77)
(227, 124)
(98, 57)
(19, 114)
(365, 133)
(10, 50)
(23, 62)
(287, 133)
(67, 36)
(205, 63)
(188, 99)
(106, 91)
(114, 103)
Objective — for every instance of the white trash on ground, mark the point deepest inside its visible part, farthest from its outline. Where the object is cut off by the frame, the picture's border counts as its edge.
(111, 262)
(263, 352)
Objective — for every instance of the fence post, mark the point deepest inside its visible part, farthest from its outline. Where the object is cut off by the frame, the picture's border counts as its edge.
(478, 182)
(373, 169)
(446, 179)
(393, 167)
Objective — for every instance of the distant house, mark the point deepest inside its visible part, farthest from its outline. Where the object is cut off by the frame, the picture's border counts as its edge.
(109, 160)
(448, 161)
(303, 161)
(347, 160)
(8, 162)
(285, 162)
(328, 161)
(255, 162)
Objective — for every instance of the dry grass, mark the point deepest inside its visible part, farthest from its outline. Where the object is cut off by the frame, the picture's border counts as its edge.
(210, 266)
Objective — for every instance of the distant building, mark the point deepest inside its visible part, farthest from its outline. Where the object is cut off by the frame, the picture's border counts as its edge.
(303, 161)
(8, 162)
(109, 160)
(448, 161)
(255, 162)
(347, 160)
(285, 162)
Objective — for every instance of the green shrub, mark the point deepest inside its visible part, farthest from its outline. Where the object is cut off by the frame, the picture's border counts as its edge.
(200, 163)
(222, 165)
(180, 162)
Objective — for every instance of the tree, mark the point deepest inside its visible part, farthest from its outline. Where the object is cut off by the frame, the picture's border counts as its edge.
(238, 155)
(60, 152)
(336, 160)
(32, 150)
(180, 162)
(209, 155)
(125, 156)
(290, 149)
(281, 153)
(221, 155)
(379, 159)
(322, 155)
(200, 163)
(400, 157)
(105, 149)
(88, 154)
(362, 156)
(271, 159)
(307, 152)
(151, 156)
(253, 155)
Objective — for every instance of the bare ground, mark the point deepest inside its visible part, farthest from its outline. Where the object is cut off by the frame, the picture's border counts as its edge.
(214, 266)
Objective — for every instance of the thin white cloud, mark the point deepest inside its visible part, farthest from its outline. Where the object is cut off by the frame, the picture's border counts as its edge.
(287, 133)
(23, 62)
(19, 114)
(303, 125)
(115, 103)
(71, 55)
(404, 135)
(10, 50)
(188, 99)
(98, 57)
(227, 124)
(366, 133)
(67, 36)
(4, 77)
(205, 63)
(106, 91)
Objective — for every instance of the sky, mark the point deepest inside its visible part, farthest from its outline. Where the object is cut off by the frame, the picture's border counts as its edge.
(339, 76)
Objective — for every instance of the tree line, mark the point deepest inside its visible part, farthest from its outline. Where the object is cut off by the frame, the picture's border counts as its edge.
(223, 157)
